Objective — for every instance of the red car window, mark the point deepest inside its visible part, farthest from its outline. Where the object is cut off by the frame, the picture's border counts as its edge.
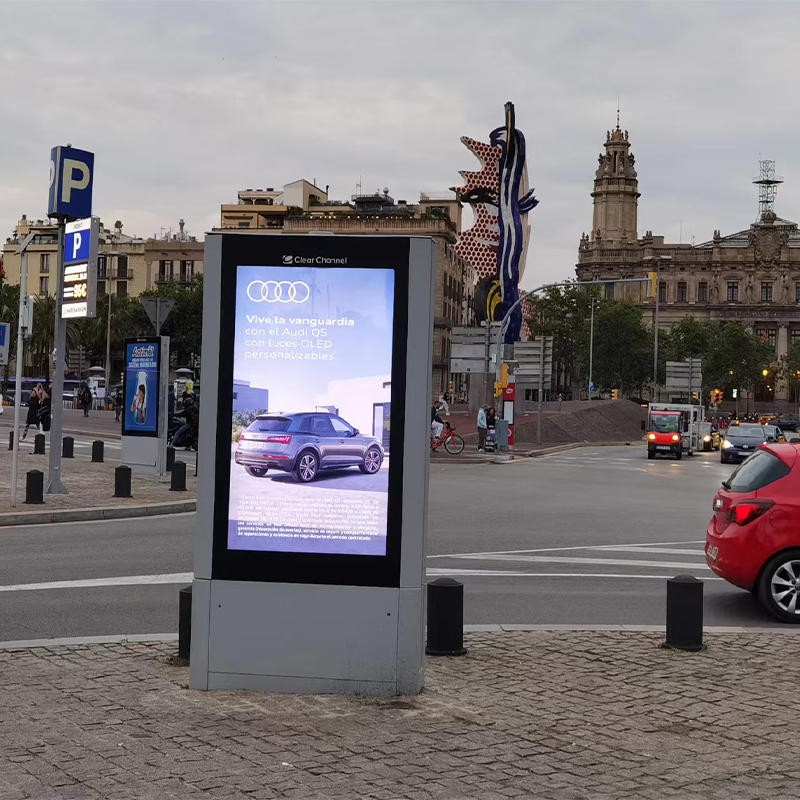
(761, 469)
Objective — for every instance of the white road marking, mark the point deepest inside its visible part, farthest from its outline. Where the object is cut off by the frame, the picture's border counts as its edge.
(558, 549)
(91, 583)
(488, 573)
(661, 550)
(617, 562)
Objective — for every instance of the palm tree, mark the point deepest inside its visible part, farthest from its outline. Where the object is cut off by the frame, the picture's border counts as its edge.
(43, 334)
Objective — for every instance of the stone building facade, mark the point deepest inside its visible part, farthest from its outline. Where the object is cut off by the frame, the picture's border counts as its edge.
(752, 276)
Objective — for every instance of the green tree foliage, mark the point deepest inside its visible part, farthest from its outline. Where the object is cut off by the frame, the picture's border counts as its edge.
(623, 347)
(184, 325)
(9, 312)
(564, 312)
(735, 358)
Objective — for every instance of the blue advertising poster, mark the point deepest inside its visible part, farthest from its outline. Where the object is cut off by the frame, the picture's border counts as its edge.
(308, 476)
(142, 364)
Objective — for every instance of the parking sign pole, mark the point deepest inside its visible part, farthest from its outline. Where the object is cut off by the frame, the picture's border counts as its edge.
(54, 484)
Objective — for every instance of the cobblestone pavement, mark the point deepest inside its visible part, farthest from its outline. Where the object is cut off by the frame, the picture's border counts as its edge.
(90, 485)
(555, 715)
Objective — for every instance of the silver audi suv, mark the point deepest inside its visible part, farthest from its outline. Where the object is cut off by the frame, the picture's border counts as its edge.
(303, 444)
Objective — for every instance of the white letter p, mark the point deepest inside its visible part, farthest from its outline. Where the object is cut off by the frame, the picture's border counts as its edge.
(68, 184)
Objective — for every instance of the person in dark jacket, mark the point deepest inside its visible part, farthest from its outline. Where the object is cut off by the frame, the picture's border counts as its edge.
(191, 413)
(44, 409)
(33, 411)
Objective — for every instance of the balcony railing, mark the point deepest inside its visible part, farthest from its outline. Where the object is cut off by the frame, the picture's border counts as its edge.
(366, 223)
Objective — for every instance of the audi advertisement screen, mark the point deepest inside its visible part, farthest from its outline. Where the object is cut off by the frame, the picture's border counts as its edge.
(310, 474)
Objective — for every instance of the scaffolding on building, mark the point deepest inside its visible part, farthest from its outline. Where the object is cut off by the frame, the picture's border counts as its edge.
(767, 183)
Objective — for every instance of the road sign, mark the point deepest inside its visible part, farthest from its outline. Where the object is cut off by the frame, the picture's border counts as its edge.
(592, 387)
(5, 338)
(158, 309)
(71, 179)
(79, 276)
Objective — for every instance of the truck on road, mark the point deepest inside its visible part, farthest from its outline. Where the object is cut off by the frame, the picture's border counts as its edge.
(674, 429)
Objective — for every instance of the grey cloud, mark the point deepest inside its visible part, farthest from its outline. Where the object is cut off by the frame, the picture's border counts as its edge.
(184, 103)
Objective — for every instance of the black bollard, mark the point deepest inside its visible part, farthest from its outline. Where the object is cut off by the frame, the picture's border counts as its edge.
(97, 451)
(445, 618)
(122, 481)
(685, 613)
(68, 447)
(178, 479)
(170, 458)
(34, 487)
(11, 440)
(185, 622)
(38, 444)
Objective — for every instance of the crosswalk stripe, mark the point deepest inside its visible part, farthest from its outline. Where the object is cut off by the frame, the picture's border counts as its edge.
(617, 562)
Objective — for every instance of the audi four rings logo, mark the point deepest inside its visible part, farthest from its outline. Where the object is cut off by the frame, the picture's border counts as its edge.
(278, 291)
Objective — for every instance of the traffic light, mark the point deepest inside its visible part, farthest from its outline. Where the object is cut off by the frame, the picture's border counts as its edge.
(695, 397)
(504, 375)
(615, 394)
(652, 287)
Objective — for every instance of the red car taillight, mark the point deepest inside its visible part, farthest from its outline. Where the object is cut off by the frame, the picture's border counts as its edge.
(748, 510)
(280, 439)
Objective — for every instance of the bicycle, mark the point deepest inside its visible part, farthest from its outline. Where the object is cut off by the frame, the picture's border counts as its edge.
(451, 442)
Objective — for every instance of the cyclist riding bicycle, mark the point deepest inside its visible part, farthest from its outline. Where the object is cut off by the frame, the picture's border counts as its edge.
(437, 425)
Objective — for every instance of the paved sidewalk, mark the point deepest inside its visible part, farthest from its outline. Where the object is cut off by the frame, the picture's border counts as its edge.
(90, 485)
(540, 715)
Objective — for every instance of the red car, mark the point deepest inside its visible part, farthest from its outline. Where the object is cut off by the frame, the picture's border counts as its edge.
(753, 539)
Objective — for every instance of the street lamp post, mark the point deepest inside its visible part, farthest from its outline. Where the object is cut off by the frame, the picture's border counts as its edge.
(591, 348)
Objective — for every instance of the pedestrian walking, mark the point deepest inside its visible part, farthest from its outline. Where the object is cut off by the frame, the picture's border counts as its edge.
(482, 429)
(32, 418)
(86, 400)
(44, 414)
(118, 403)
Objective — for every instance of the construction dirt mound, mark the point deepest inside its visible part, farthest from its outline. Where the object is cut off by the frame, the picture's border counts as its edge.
(599, 421)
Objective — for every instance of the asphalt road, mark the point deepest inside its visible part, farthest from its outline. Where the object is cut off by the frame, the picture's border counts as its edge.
(582, 537)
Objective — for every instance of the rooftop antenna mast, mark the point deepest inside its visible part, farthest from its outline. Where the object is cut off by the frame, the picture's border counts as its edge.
(617, 110)
(767, 183)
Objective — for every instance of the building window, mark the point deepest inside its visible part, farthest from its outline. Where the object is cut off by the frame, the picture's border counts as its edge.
(733, 291)
(44, 285)
(767, 335)
(244, 224)
(702, 292)
(122, 288)
(795, 334)
(101, 288)
(766, 292)
(164, 271)
(682, 291)
(609, 292)
(44, 262)
(122, 266)
(662, 292)
(187, 271)
(101, 266)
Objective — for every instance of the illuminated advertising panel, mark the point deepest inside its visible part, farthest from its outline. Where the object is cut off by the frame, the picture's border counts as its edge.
(307, 475)
(320, 341)
(140, 387)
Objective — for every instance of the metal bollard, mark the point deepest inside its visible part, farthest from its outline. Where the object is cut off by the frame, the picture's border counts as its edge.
(122, 482)
(11, 440)
(178, 479)
(185, 623)
(170, 458)
(34, 487)
(68, 447)
(685, 613)
(38, 444)
(97, 451)
(445, 618)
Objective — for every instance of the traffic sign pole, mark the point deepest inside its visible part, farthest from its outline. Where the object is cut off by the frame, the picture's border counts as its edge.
(54, 484)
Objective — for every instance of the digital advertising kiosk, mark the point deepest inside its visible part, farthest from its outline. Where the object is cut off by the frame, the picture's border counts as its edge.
(309, 550)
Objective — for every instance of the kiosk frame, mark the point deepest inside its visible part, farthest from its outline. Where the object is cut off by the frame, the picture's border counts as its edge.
(307, 621)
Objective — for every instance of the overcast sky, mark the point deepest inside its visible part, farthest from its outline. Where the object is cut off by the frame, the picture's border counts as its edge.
(184, 103)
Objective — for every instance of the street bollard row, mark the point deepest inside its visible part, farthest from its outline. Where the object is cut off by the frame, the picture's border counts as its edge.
(122, 482)
(39, 442)
(685, 613)
(34, 487)
(68, 447)
(97, 451)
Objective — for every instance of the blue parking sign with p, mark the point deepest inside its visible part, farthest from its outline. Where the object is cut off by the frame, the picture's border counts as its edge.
(77, 243)
(71, 180)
